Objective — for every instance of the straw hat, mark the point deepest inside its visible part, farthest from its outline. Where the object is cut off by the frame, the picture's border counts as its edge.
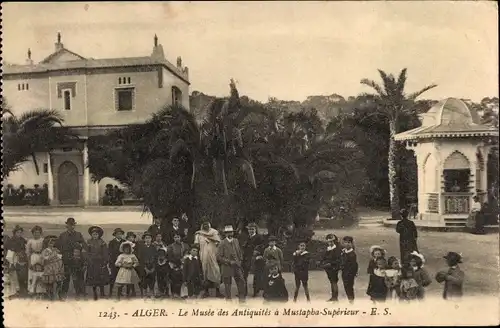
(417, 254)
(252, 225)
(131, 244)
(97, 229)
(228, 228)
(375, 247)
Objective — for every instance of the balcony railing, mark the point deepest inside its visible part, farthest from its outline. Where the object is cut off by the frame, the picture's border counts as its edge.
(433, 203)
(455, 203)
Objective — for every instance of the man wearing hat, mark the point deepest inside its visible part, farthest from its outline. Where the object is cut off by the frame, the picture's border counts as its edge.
(230, 256)
(66, 243)
(147, 256)
(453, 278)
(114, 251)
(253, 249)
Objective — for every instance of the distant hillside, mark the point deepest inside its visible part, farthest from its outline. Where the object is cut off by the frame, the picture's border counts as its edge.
(327, 106)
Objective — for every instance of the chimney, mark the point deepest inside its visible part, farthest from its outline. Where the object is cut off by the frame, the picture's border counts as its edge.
(58, 44)
(158, 53)
(179, 62)
(29, 61)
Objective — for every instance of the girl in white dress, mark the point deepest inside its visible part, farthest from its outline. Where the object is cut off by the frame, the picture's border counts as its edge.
(34, 248)
(127, 275)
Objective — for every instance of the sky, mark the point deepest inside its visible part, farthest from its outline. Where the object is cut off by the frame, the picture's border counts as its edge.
(287, 50)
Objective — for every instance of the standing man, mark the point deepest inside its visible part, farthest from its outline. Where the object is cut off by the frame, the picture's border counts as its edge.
(477, 213)
(114, 251)
(66, 243)
(230, 256)
(156, 227)
(253, 249)
(407, 236)
(176, 229)
(187, 229)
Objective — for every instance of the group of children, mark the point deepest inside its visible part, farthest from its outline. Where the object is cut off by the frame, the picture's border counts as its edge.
(389, 279)
(38, 267)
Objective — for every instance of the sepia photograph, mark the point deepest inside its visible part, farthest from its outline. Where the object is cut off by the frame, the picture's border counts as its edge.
(253, 163)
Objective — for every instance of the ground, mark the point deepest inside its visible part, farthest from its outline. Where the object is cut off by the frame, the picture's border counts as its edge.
(480, 252)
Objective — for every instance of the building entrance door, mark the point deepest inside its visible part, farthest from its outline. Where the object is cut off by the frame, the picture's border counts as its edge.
(68, 188)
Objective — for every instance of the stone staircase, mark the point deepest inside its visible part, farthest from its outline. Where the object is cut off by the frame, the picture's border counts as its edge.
(455, 222)
(371, 221)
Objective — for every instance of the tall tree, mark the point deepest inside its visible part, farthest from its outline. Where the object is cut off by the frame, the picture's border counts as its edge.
(32, 132)
(392, 102)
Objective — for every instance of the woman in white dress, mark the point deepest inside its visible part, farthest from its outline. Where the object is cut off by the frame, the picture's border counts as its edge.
(208, 239)
(34, 248)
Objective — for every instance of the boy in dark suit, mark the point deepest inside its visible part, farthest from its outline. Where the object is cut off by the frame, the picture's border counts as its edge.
(114, 251)
(193, 275)
(275, 290)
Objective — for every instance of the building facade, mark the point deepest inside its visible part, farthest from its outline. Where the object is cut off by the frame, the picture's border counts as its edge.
(94, 96)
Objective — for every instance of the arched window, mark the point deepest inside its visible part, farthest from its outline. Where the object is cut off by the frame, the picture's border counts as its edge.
(176, 96)
(456, 173)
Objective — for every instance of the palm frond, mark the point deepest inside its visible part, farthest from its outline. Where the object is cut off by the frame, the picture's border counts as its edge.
(401, 83)
(415, 95)
(374, 85)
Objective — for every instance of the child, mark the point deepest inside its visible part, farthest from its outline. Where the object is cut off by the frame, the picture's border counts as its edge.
(176, 277)
(34, 249)
(408, 285)
(131, 237)
(376, 252)
(331, 263)
(77, 269)
(421, 276)
(127, 275)
(273, 255)
(301, 260)
(453, 278)
(147, 260)
(377, 290)
(36, 287)
(158, 242)
(193, 275)
(97, 257)
(53, 268)
(392, 278)
(17, 244)
(349, 266)
(162, 273)
(275, 290)
(11, 284)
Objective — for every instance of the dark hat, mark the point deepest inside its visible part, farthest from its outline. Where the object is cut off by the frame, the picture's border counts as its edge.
(252, 225)
(272, 238)
(71, 221)
(454, 257)
(17, 228)
(36, 228)
(197, 246)
(117, 230)
(147, 233)
(331, 236)
(131, 233)
(97, 229)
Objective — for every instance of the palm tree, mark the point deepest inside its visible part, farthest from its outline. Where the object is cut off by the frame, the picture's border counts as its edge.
(31, 132)
(392, 102)
(300, 161)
